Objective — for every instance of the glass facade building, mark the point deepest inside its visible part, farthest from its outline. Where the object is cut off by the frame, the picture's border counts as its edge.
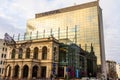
(81, 24)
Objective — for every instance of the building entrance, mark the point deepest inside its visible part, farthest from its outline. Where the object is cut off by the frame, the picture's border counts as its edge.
(16, 71)
(60, 71)
(34, 71)
(43, 71)
(25, 71)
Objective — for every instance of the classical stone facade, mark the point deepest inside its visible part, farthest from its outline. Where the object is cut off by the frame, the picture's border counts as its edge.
(3, 53)
(32, 59)
(111, 69)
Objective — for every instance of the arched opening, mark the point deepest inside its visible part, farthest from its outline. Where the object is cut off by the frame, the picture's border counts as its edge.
(25, 71)
(44, 53)
(43, 71)
(8, 71)
(13, 54)
(16, 71)
(28, 53)
(35, 53)
(34, 71)
(20, 53)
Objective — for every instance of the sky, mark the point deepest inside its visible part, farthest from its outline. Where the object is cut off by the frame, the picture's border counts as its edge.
(15, 13)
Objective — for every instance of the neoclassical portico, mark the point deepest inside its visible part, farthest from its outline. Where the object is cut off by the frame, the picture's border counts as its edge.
(33, 61)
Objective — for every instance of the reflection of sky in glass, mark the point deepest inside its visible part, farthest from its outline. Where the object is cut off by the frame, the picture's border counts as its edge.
(85, 20)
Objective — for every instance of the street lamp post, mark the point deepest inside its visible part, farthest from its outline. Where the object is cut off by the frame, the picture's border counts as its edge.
(67, 63)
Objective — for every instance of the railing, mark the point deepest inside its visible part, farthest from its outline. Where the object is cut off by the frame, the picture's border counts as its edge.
(69, 33)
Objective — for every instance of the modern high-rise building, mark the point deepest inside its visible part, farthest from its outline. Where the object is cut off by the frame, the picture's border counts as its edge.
(81, 24)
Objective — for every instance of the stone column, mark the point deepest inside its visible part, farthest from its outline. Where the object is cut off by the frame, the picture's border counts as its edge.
(24, 54)
(49, 68)
(30, 73)
(20, 73)
(5, 73)
(47, 71)
(31, 54)
(12, 72)
(38, 72)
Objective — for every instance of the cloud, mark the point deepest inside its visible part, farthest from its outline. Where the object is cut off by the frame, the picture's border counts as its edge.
(111, 18)
(16, 12)
(7, 27)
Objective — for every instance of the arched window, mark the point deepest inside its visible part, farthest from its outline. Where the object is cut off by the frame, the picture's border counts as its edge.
(20, 53)
(28, 53)
(44, 53)
(35, 71)
(3, 43)
(3, 49)
(16, 69)
(13, 54)
(6, 49)
(25, 71)
(35, 53)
